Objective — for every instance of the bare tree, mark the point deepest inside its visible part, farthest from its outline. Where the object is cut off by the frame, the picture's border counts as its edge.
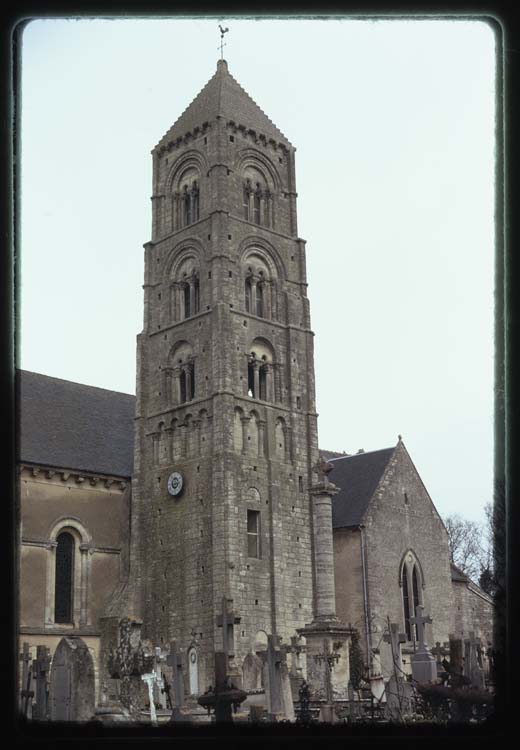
(470, 545)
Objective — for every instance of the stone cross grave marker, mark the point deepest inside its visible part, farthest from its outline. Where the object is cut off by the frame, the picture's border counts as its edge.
(26, 693)
(160, 658)
(40, 670)
(424, 666)
(227, 620)
(472, 669)
(395, 638)
(174, 660)
(151, 679)
(274, 660)
(396, 703)
(421, 620)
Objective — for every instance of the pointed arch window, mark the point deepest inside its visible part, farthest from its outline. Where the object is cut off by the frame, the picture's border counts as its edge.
(64, 578)
(412, 585)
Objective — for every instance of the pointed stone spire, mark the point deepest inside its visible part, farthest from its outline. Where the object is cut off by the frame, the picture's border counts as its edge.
(224, 97)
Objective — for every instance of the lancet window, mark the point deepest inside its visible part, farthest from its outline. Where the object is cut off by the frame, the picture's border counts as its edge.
(411, 584)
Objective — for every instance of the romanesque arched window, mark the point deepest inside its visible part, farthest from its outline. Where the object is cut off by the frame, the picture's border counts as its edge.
(260, 288)
(181, 371)
(257, 196)
(185, 287)
(64, 579)
(185, 208)
(411, 585)
(260, 374)
(68, 564)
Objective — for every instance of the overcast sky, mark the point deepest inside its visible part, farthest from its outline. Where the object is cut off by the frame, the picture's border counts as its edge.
(393, 121)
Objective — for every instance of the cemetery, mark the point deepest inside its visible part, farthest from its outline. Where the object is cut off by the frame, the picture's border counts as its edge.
(143, 684)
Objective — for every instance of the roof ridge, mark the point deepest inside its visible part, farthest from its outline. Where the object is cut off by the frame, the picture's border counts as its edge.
(73, 382)
(363, 453)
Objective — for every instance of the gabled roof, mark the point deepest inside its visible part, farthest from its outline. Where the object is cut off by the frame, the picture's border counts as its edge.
(73, 426)
(457, 574)
(223, 96)
(357, 477)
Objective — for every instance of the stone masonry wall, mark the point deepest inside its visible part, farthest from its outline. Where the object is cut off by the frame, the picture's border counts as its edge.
(394, 527)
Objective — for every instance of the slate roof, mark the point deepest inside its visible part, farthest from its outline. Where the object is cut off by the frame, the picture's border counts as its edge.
(73, 426)
(357, 477)
(223, 96)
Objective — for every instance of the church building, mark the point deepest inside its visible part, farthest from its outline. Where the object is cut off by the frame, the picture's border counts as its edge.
(203, 486)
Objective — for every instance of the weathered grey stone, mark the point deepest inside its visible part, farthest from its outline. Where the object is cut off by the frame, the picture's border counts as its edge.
(72, 691)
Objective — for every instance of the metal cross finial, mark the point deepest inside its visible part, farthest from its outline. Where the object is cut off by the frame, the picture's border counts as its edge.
(222, 44)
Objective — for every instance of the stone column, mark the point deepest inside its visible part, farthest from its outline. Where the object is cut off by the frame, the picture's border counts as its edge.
(328, 667)
(192, 297)
(253, 296)
(269, 390)
(256, 368)
(83, 612)
(189, 374)
(322, 494)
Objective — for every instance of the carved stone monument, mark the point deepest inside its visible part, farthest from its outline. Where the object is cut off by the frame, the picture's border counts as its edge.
(72, 688)
(424, 666)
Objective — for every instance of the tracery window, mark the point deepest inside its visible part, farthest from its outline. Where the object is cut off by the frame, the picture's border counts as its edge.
(412, 584)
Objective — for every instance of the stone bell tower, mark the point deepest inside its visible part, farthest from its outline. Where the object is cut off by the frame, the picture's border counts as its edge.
(226, 428)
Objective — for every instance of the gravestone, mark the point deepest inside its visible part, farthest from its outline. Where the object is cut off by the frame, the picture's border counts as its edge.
(174, 660)
(252, 667)
(472, 670)
(424, 666)
(277, 682)
(26, 694)
(396, 689)
(455, 656)
(40, 670)
(72, 688)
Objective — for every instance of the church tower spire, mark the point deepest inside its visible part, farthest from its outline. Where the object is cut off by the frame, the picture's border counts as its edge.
(226, 436)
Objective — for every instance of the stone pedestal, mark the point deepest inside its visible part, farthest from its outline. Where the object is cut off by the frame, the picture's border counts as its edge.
(328, 661)
(424, 666)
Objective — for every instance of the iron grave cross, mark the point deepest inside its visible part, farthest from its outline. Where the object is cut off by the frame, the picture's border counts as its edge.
(222, 43)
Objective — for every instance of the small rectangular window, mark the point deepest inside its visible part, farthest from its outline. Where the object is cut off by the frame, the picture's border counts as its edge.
(253, 533)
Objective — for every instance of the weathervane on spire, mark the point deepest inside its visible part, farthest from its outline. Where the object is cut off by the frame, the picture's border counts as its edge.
(222, 43)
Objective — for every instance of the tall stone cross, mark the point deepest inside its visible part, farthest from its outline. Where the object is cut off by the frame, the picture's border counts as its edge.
(274, 662)
(420, 620)
(160, 658)
(26, 693)
(395, 638)
(174, 660)
(226, 621)
(40, 669)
